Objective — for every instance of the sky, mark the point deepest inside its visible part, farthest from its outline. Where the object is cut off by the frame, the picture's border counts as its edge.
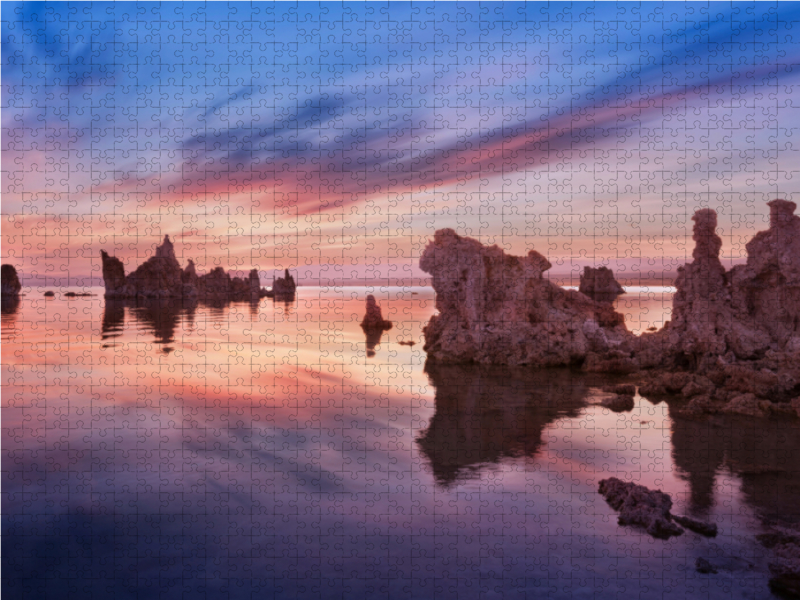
(334, 139)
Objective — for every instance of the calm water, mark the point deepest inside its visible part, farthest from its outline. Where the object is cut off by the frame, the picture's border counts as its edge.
(270, 450)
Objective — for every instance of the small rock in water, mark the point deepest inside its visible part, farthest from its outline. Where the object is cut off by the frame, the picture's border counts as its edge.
(407, 343)
(49, 294)
(703, 566)
(373, 319)
(640, 507)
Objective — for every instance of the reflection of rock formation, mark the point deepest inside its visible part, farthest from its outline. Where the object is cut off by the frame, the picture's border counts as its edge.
(762, 452)
(373, 339)
(9, 281)
(499, 309)
(485, 413)
(161, 276)
(599, 284)
(283, 288)
(113, 318)
(161, 316)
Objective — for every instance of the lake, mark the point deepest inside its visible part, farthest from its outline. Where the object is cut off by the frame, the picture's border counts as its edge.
(271, 450)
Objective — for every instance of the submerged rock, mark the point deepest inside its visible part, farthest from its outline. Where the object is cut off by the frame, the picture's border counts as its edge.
(640, 507)
(161, 276)
(599, 284)
(499, 309)
(373, 319)
(704, 567)
(9, 281)
(650, 509)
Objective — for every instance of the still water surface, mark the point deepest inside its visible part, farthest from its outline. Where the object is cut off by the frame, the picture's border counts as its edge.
(270, 450)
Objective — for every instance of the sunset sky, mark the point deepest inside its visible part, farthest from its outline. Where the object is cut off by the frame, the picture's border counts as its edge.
(335, 139)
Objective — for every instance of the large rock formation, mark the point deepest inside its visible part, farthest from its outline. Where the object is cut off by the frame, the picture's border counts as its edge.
(743, 313)
(599, 284)
(9, 281)
(499, 309)
(161, 276)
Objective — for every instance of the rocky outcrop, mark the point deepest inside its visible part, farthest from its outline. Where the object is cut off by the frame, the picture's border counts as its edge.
(649, 509)
(161, 276)
(743, 313)
(283, 288)
(599, 284)
(9, 281)
(499, 309)
(373, 319)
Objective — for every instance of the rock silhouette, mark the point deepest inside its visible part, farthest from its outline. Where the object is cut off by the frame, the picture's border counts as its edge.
(373, 319)
(499, 309)
(161, 276)
(283, 288)
(9, 281)
(599, 284)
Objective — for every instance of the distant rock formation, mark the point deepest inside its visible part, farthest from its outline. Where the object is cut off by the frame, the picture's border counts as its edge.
(10, 285)
(499, 309)
(599, 284)
(161, 276)
(373, 319)
(283, 288)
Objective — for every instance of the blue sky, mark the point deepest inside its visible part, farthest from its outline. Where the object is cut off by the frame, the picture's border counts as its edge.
(336, 138)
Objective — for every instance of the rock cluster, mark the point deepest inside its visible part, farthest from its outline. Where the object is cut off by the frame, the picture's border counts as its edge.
(599, 284)
(785, 565)
(283, 288)
(649, 509)
(499, 309)
(161, 276)
(9, 281)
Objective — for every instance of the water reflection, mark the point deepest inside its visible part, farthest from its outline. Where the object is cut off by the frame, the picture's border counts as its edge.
(373, 339)
(159, 316)
(762, 452)
(484, 414)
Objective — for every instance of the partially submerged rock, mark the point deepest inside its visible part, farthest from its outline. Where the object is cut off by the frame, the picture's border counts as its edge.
(9, 281)
(701, 565)
(599, 284)
(640, 507)
(499, 309)
(649, 509)
(161, 276)
(373, 319)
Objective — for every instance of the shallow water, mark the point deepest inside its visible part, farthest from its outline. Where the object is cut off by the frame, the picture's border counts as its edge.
(270, 450)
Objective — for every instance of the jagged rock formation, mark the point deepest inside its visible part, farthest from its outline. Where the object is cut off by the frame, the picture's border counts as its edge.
(649, 509)
(283, 288)
(161, 276)
(499, 309)
(735, 335)
(751, 309)
(599, 284)
(373, 319)
(9, 281)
